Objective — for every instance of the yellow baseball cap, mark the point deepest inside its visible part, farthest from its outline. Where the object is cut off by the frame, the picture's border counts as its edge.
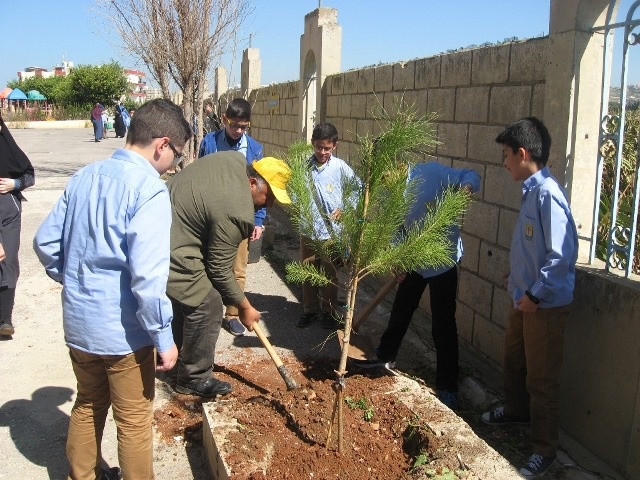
(276, 173)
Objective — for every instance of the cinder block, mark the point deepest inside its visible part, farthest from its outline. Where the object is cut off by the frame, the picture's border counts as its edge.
(502, 303)
(366, 78)
(349, 130)
(508, 219)
(481, 220)
(472, 104)
(453, 138)
(509, 103)
(442, 102)
(403, 76)
(490, 65)
(351, 81)
(489, 338)
(332, 105)
(375, 105)
(456, 69)
(471, 257)
(336, 83)
(475, 292)
(427, 72)
(344, 106)
(529, 60)
(358, 106)
(464, 321)
(537, 102)
(482, 143)
(383, 79)
(500, 188)
(494, 262)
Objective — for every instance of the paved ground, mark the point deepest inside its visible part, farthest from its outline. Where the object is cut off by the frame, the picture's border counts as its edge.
(37, 385)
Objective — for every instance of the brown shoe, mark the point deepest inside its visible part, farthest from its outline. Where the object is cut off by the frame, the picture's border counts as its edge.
(7, 329)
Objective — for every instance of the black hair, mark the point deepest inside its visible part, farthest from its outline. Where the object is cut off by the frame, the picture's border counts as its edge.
(158, 118)
(325, 131)
(239, 108)
(531, 134)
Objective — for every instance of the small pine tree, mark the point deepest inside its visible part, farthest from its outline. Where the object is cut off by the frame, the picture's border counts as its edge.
(372, 238)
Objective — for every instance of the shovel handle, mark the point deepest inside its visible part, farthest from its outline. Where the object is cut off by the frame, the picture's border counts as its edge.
(375, 301)
(291, 383)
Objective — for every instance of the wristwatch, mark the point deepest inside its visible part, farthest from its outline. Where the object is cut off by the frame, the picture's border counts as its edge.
(532, 297)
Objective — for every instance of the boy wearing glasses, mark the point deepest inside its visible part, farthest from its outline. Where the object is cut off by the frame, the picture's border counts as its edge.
(327, 173)
(107, 241)
(233, 136)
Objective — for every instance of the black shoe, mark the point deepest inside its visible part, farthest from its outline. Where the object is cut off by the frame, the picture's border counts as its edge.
(207, 389)
(372, 363)
(536, 465)
(7, 329)
(329, 322)
(306, 319)
(498, 417)
(113, 473)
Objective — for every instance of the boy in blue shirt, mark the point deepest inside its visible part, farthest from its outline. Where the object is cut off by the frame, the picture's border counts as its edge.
(327, 173)
(233, 136)
(432, 179)
(543, 255)
(107, 242)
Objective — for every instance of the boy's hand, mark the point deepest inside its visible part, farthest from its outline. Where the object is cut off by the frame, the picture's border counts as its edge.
(257, 233)
(248, 316)
(526, 305)
(167, 359)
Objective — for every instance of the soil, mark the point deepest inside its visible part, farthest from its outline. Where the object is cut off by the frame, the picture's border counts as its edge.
(282, 434)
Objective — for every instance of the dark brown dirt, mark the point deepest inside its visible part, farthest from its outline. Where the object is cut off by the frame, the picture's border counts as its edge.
(282, 434)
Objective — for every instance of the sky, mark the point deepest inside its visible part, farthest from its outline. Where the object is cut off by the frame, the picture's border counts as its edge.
(373, 32)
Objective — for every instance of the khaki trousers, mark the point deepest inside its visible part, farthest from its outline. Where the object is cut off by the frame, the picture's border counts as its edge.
(240, 271)
(532, 361)
(315, 298)
(127, 384)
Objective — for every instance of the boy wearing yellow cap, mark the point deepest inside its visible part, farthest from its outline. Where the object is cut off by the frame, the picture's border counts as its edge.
(214, 201)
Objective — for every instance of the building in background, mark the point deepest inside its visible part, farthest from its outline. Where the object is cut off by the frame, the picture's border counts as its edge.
(137, 86)
(57, 71)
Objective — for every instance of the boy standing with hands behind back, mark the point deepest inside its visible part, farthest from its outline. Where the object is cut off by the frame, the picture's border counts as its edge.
(543, 254)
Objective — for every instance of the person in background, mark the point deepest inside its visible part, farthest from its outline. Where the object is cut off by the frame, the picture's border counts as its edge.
(211, 120)
(431, 179)
(543, 255)
(16, 174)
(121, 120)
(327, 173)
(105, 119)
(214, 201)
(107, 242)
(233, 136)
(96, 120)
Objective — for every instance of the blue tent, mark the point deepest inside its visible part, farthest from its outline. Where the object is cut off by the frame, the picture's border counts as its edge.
(17, 94)
(35, 95)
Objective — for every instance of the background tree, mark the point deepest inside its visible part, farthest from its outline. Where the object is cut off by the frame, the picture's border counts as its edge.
(90, 84)
(372, 239)
(178, 40)
(54, 88)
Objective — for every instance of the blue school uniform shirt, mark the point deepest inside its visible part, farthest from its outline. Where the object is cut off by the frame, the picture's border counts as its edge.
(327, 180)
(432, 179)
(252, 150)
(544, 248)
(107, 241)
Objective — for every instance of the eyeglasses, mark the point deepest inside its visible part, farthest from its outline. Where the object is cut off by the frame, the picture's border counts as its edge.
(236, 126)
(177, 156)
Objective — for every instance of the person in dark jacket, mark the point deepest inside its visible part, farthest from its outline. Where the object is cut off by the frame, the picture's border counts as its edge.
(16, 174)
(213, 200)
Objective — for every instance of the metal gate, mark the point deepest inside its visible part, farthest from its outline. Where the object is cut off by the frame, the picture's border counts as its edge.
(616, 200)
